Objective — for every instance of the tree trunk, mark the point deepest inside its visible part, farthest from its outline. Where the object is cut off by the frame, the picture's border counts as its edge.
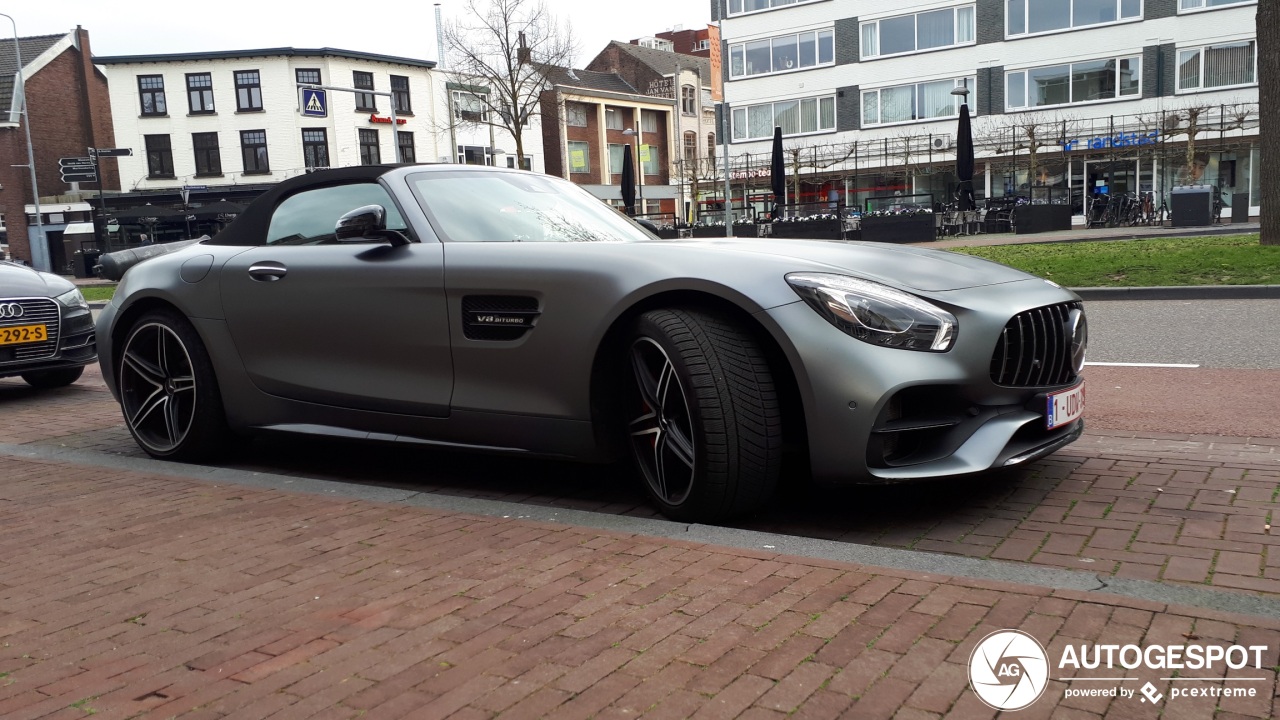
(1268, 108)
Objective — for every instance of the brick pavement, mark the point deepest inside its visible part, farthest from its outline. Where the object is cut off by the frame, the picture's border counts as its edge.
(126, 594)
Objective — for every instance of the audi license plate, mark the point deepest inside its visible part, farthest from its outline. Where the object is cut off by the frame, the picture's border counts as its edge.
(1065, 407)
(23, 334)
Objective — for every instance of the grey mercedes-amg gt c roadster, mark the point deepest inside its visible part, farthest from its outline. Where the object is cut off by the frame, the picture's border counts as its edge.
(508, 311)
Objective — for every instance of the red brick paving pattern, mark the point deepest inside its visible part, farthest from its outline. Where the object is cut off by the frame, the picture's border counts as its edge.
(125, 594)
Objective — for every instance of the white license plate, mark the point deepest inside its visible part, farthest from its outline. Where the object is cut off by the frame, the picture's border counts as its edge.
(1065, 407)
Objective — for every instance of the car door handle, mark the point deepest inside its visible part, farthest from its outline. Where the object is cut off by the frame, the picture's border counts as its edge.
(267, 271)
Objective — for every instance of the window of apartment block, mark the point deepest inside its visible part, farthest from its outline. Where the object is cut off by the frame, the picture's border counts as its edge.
(1081, 82)
(253, 151)
(795, 117)
(579, 157)
(469, 107)
(690, 147)
(365, 102)
(307, 76)
(1210, 4)
(615, 118)
(159, 156)
(474, 155)
(1028, 17)
(200, 93)
(575, 114)
(649, 157)
(783, 53)
(688, 99)
(151, 92)
(248, 91)
(737, 7)
(909, 103)
(315, 148)
(208, 156)
(370, 148)
(918, 31)
(404, 141)
(400, 99)
(1217, 66)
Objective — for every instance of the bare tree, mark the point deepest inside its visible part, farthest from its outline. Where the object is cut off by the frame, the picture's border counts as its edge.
(502, 50)
(1193, 119)
(1031, 133)
(1268, 23)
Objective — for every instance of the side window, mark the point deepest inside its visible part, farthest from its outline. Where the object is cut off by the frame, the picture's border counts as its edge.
(308, 217)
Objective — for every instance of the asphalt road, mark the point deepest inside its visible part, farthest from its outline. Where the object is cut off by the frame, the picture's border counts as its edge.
(1208, 333)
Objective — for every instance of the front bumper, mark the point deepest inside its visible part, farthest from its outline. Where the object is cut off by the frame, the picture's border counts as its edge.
(882, 415)
(74, 345)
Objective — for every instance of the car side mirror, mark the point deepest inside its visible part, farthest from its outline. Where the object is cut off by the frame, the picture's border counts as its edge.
(365, 223)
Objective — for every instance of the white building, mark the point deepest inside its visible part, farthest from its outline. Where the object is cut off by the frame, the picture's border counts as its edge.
(1103, 92)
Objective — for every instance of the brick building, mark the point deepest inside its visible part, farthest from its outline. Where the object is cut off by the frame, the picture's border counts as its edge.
(69, 112)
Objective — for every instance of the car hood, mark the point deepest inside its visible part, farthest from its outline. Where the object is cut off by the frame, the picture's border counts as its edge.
(22, 281)
(905, 266)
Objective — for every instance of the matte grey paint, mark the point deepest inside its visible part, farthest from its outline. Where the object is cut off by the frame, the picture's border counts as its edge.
(367, 338)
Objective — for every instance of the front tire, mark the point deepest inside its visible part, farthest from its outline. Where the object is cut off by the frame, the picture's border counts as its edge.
(705, 426)
(49, 379)
(169, 391)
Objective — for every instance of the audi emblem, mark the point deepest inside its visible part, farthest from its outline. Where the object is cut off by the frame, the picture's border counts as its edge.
(8, 311)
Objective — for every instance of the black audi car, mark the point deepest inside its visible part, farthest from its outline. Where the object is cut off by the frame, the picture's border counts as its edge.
(46, 329)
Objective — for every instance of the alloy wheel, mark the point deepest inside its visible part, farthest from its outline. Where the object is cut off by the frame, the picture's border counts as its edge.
(157, 387)
(662, 435)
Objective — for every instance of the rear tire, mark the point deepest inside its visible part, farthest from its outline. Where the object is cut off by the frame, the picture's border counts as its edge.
(705, 425)
(49, 379)
(169, 390)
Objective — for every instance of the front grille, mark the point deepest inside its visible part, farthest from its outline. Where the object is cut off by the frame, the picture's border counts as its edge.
(36, 311)
(1034, 350)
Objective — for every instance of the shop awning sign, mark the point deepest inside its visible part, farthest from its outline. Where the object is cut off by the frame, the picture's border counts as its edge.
(1119, 140)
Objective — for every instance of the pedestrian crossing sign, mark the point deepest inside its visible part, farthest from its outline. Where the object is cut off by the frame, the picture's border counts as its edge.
(315, 103)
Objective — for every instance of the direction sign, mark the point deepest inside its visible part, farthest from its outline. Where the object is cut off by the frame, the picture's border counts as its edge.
(315, 102)
(111, 152)
(70, 177)
(76, 163)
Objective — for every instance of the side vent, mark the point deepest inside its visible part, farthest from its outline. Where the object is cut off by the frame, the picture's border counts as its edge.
(498, 317)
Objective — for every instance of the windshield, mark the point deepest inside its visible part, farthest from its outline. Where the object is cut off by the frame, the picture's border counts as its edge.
(479, 206)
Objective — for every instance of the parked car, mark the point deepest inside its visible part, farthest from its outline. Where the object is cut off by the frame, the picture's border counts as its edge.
(46, 329)
(507, 311)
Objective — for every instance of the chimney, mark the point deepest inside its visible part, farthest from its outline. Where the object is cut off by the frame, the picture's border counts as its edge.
(523, 55)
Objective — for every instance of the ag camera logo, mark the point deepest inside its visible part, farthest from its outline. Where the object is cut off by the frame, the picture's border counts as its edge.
(1008, 670)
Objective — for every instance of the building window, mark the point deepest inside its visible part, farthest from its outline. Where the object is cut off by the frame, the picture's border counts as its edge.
(474, 155)
(1028, 17)
(253, 150)
(690, 147)
(784, 53)
(248, 91)
(579, 157)
(404, 141)
(614, 119)
(737, 7)
(795, 117)
(208, 157)
(649, 120)
(151, 90)
(919, 31)
(526, 162)
(909, 103)
(315, 148)
(1210, 4)
(688, 99)
(1217, 66)
(1082, 82)
(370, 148)
(159, 156)
(701, 45)
(711, 148)
(400, 95)
(649, 159)
(469, 107)
(307, 76)
(575, 114)
(616, 153)
(365, 101)
(200, 93)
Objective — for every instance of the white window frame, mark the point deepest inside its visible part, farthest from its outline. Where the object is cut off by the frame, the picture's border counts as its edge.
(458, 96)
(971, 81)
(1027, 107)
(746, 136)
(955, 27)
(1177, 67)
(1195, 6)
(816, 32)
(1142, 11)
(773, 5)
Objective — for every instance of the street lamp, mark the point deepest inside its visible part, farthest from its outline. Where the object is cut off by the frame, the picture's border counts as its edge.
(31, 156)
(639, 136)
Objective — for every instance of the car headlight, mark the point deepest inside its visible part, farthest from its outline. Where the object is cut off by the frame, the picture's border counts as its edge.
(73, 299)
(875, 313)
